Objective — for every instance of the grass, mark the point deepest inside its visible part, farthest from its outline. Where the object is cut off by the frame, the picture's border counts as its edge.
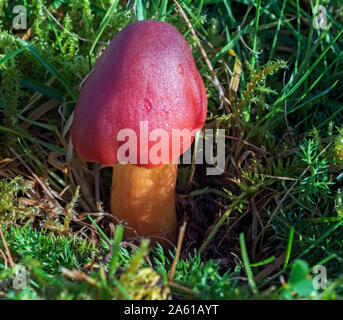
(273, 82)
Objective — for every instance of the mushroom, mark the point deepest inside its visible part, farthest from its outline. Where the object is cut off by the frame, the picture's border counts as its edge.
(146, 82)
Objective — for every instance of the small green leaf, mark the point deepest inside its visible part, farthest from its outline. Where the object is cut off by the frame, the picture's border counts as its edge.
(299, 271)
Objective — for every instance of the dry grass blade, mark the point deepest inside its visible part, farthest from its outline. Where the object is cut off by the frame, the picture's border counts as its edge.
(235, 78)
(216, 82)
(38, 112)
(8, 253)
(27, 34)
(232, 226)
(183, 288)
(214, 51)
(33, 175)
(270, 268)
(243, 141)
(86, 190)
(5, 259)
(176, 258)
(78, 275)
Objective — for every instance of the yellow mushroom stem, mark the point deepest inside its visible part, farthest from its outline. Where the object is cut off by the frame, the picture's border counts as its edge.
(145, 199)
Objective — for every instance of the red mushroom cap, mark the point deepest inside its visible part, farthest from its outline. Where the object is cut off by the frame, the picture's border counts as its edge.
(146, 75)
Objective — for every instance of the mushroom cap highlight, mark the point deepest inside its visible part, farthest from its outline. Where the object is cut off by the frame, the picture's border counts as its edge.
(147, 78)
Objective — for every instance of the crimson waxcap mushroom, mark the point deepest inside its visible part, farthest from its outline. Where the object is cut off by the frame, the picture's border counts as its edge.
(146, 78)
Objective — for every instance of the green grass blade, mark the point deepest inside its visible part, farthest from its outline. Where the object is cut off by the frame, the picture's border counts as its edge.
(118, 237)
(308, 72)
(39, 124)
(39, 141)
(254, 43)
(246, 264)
(49, 67)
(42, 88)
(263, 262)
(99, 229)
(13, 54)
(321, 238)
(103, 24)
(289, 247)
(271, 54)
(141, 12)
(163, 10)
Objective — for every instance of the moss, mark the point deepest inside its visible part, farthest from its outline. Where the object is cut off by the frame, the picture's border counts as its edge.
(11, 209)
